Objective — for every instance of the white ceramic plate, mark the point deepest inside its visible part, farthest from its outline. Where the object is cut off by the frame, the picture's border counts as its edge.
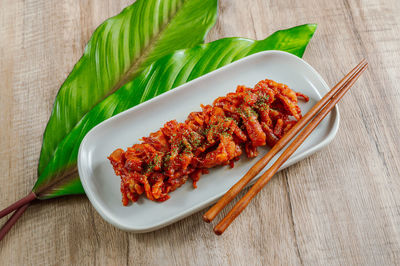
(102, 186)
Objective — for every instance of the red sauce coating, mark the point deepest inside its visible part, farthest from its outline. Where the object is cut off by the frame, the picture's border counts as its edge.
(238, 122)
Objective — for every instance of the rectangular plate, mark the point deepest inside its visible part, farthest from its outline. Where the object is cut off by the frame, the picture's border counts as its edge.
(102, 186)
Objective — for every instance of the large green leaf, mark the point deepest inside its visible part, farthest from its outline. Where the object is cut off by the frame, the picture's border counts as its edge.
(118, 51)
(60, 176)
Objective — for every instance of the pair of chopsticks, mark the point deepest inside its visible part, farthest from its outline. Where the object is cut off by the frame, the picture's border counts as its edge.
(317, 113)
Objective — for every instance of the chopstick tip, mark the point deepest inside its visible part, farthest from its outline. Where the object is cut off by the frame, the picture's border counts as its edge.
(206, 219)
(218, 232)
(364, 62)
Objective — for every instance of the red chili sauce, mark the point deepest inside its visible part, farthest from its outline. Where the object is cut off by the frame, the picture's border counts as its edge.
(239, 122)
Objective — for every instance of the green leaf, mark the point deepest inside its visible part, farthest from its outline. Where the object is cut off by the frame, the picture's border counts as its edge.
(60, 176)
(118, 51)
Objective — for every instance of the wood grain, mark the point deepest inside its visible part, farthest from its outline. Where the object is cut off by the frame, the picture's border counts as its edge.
(340, 206)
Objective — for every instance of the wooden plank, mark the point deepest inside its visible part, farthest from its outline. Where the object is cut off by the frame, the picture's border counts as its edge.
(340, 206)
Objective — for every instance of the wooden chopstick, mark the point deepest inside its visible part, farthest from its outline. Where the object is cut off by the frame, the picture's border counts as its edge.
(254, 170)
(266, 177)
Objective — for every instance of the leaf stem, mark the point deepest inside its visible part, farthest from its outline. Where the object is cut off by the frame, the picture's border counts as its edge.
(30, 197)
(13, 219)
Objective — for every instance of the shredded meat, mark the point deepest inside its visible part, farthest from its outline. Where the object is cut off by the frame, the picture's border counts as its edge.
(236, 123)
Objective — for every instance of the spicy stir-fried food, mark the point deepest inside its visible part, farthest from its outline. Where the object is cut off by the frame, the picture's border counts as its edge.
(236, 123)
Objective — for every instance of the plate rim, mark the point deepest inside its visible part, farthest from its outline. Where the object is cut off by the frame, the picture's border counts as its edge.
(201, 205)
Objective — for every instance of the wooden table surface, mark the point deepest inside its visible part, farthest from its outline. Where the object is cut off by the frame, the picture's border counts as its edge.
(339, 206)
